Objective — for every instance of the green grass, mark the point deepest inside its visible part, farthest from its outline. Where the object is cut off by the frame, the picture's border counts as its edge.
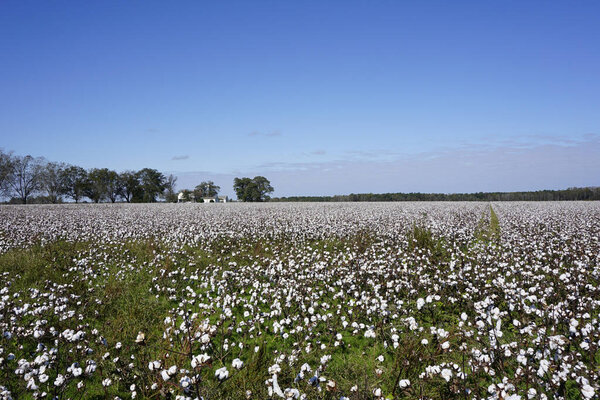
(488, 229)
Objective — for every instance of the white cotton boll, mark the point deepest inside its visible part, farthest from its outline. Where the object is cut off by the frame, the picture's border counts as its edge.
(291, 393)
(185, 382)
(446, 345)
(446, 374)
(165, 375)
(237, 363)
(585, 345)
(60, 379)
(107, 382)
(274, 369)
(587, 391)
(172, 371)
(544, 364)
(141, 337)
(90, 368)
(377, 392)
(404, 383)
(380, 358)
(31, 385)
(424, 342)
(420, 303)
(200, 360)
(370, 333)
(222, 373)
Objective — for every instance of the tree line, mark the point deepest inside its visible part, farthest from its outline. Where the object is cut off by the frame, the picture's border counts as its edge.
(27, 179)
(585, 193)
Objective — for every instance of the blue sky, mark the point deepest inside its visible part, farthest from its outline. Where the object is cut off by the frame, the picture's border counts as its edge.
(319, 97)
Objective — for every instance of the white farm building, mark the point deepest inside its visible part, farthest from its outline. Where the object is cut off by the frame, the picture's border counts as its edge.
(181, 198)
(216, 199)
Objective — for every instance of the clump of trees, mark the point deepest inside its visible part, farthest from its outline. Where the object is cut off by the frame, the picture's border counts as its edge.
(206, 189)
(27, 179)
(253, 190)
(202, 190)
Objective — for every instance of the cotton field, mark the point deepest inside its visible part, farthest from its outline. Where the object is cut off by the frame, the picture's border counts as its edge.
(300, 301)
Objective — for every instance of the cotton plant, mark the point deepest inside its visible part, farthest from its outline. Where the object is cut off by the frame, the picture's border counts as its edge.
(512, 318)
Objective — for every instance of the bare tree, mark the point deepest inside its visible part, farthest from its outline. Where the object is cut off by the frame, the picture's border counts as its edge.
(25, 176)
(170, 195)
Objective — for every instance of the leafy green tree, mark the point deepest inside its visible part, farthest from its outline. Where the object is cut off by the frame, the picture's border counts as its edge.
(114, 185)
(206, 189)
(53, 181)
(252, 190)
(262, 188)
(152, 184)
(130, 185)
(75, 182)
(241, 186)
(187, 195)
(98, 184)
